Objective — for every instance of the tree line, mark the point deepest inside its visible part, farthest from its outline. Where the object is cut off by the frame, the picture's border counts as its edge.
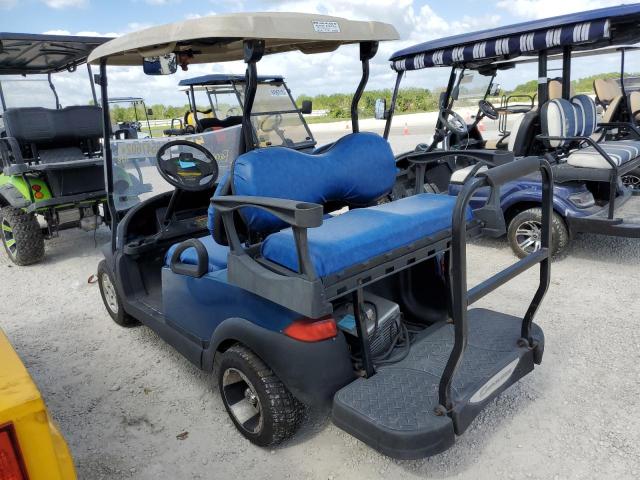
(338, 105)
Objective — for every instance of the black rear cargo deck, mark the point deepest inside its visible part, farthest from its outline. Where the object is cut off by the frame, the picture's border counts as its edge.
(394, 410)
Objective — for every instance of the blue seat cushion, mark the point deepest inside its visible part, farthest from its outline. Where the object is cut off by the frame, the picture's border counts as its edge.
(356, 170)
(217, 254)
(362, 234)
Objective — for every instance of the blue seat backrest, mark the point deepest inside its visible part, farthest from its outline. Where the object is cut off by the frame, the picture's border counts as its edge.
(586, 115)
(358, 169)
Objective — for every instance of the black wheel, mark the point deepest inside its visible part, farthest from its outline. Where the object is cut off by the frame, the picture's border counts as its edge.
(111, 299)
(632, 180)
(21, 236)
(525, 233)
(257, 401)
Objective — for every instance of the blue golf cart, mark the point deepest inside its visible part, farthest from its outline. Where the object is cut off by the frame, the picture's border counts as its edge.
(246, 261)
(593, 161)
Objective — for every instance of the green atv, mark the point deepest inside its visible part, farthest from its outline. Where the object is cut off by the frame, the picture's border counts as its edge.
(51, 168)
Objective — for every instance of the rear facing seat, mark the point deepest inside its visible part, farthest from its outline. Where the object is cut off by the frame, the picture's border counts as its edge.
(564, 118)
(57, 135)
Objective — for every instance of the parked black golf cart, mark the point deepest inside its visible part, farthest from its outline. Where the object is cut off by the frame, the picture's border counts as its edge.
(590, 159)
(50, 162)
(297, 305)
(276, 119)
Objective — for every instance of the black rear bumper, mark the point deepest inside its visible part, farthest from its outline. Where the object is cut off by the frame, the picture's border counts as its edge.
(68, 201)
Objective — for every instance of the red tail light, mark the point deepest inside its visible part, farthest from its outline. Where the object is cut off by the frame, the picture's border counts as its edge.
(11, 464)
(312, 330)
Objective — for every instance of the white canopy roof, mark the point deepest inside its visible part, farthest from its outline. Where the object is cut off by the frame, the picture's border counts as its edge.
(219, 38)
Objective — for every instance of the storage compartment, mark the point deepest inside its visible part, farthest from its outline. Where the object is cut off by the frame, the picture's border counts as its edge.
(74, 181)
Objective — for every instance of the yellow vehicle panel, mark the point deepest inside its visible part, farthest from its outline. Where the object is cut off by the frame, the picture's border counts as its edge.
(44, 450)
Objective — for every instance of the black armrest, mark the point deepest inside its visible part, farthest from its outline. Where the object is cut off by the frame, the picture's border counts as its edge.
(300, 215)
(625, 125)
(202, 265)
(296, 214)
(510, 171)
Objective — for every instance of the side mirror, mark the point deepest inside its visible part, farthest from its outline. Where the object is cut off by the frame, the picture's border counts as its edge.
(162, 65)
(381, 109)
(150, 112)
(455, 93)
(496, 90)
(307, 107)
(97, 79)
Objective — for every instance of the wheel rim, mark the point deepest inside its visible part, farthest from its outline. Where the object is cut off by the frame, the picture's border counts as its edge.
(111, 299)
(242, 400)
(632, 181)
(8, 238)
(529, 236)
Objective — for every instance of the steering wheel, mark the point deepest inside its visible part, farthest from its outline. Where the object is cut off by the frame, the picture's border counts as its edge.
(454, 122)
(488, 110)
(271, 122)
(188, 171)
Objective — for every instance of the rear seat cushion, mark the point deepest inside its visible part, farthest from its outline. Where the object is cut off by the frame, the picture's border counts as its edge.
(559, 120)
(620, 152)
(217, 254)
(362, 234)
(357, 170)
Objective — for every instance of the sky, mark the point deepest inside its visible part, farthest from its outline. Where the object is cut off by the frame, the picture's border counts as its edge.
(416, 20)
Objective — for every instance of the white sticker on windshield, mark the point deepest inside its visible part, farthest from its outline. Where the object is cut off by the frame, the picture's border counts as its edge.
(326, 27)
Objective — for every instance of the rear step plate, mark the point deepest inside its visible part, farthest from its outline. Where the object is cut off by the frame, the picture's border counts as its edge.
(394, 410)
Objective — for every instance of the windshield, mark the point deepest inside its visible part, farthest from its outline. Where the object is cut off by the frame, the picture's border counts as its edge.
(472, 88)
(130, 113)
(34, 90)
(276, 119)
(135, 173)
(224, 102)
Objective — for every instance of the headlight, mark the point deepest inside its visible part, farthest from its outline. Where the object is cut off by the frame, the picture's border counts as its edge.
(582, 199)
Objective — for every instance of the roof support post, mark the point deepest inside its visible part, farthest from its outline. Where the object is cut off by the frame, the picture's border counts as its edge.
(106, 151)
(566, 72)
(92, 83)
(368, 50)
(392, 107)
(53, 89)
(543, 81)
(253, 52)
(192, 101)
(2, 102)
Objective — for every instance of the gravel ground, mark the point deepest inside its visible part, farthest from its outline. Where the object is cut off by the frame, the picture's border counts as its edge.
(122, 396)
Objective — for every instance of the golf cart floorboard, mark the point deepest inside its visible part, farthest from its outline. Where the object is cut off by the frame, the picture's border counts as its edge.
(393, 411)
(630, 210)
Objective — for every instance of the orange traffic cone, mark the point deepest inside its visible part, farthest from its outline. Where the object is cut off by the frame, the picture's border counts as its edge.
(405, 130)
